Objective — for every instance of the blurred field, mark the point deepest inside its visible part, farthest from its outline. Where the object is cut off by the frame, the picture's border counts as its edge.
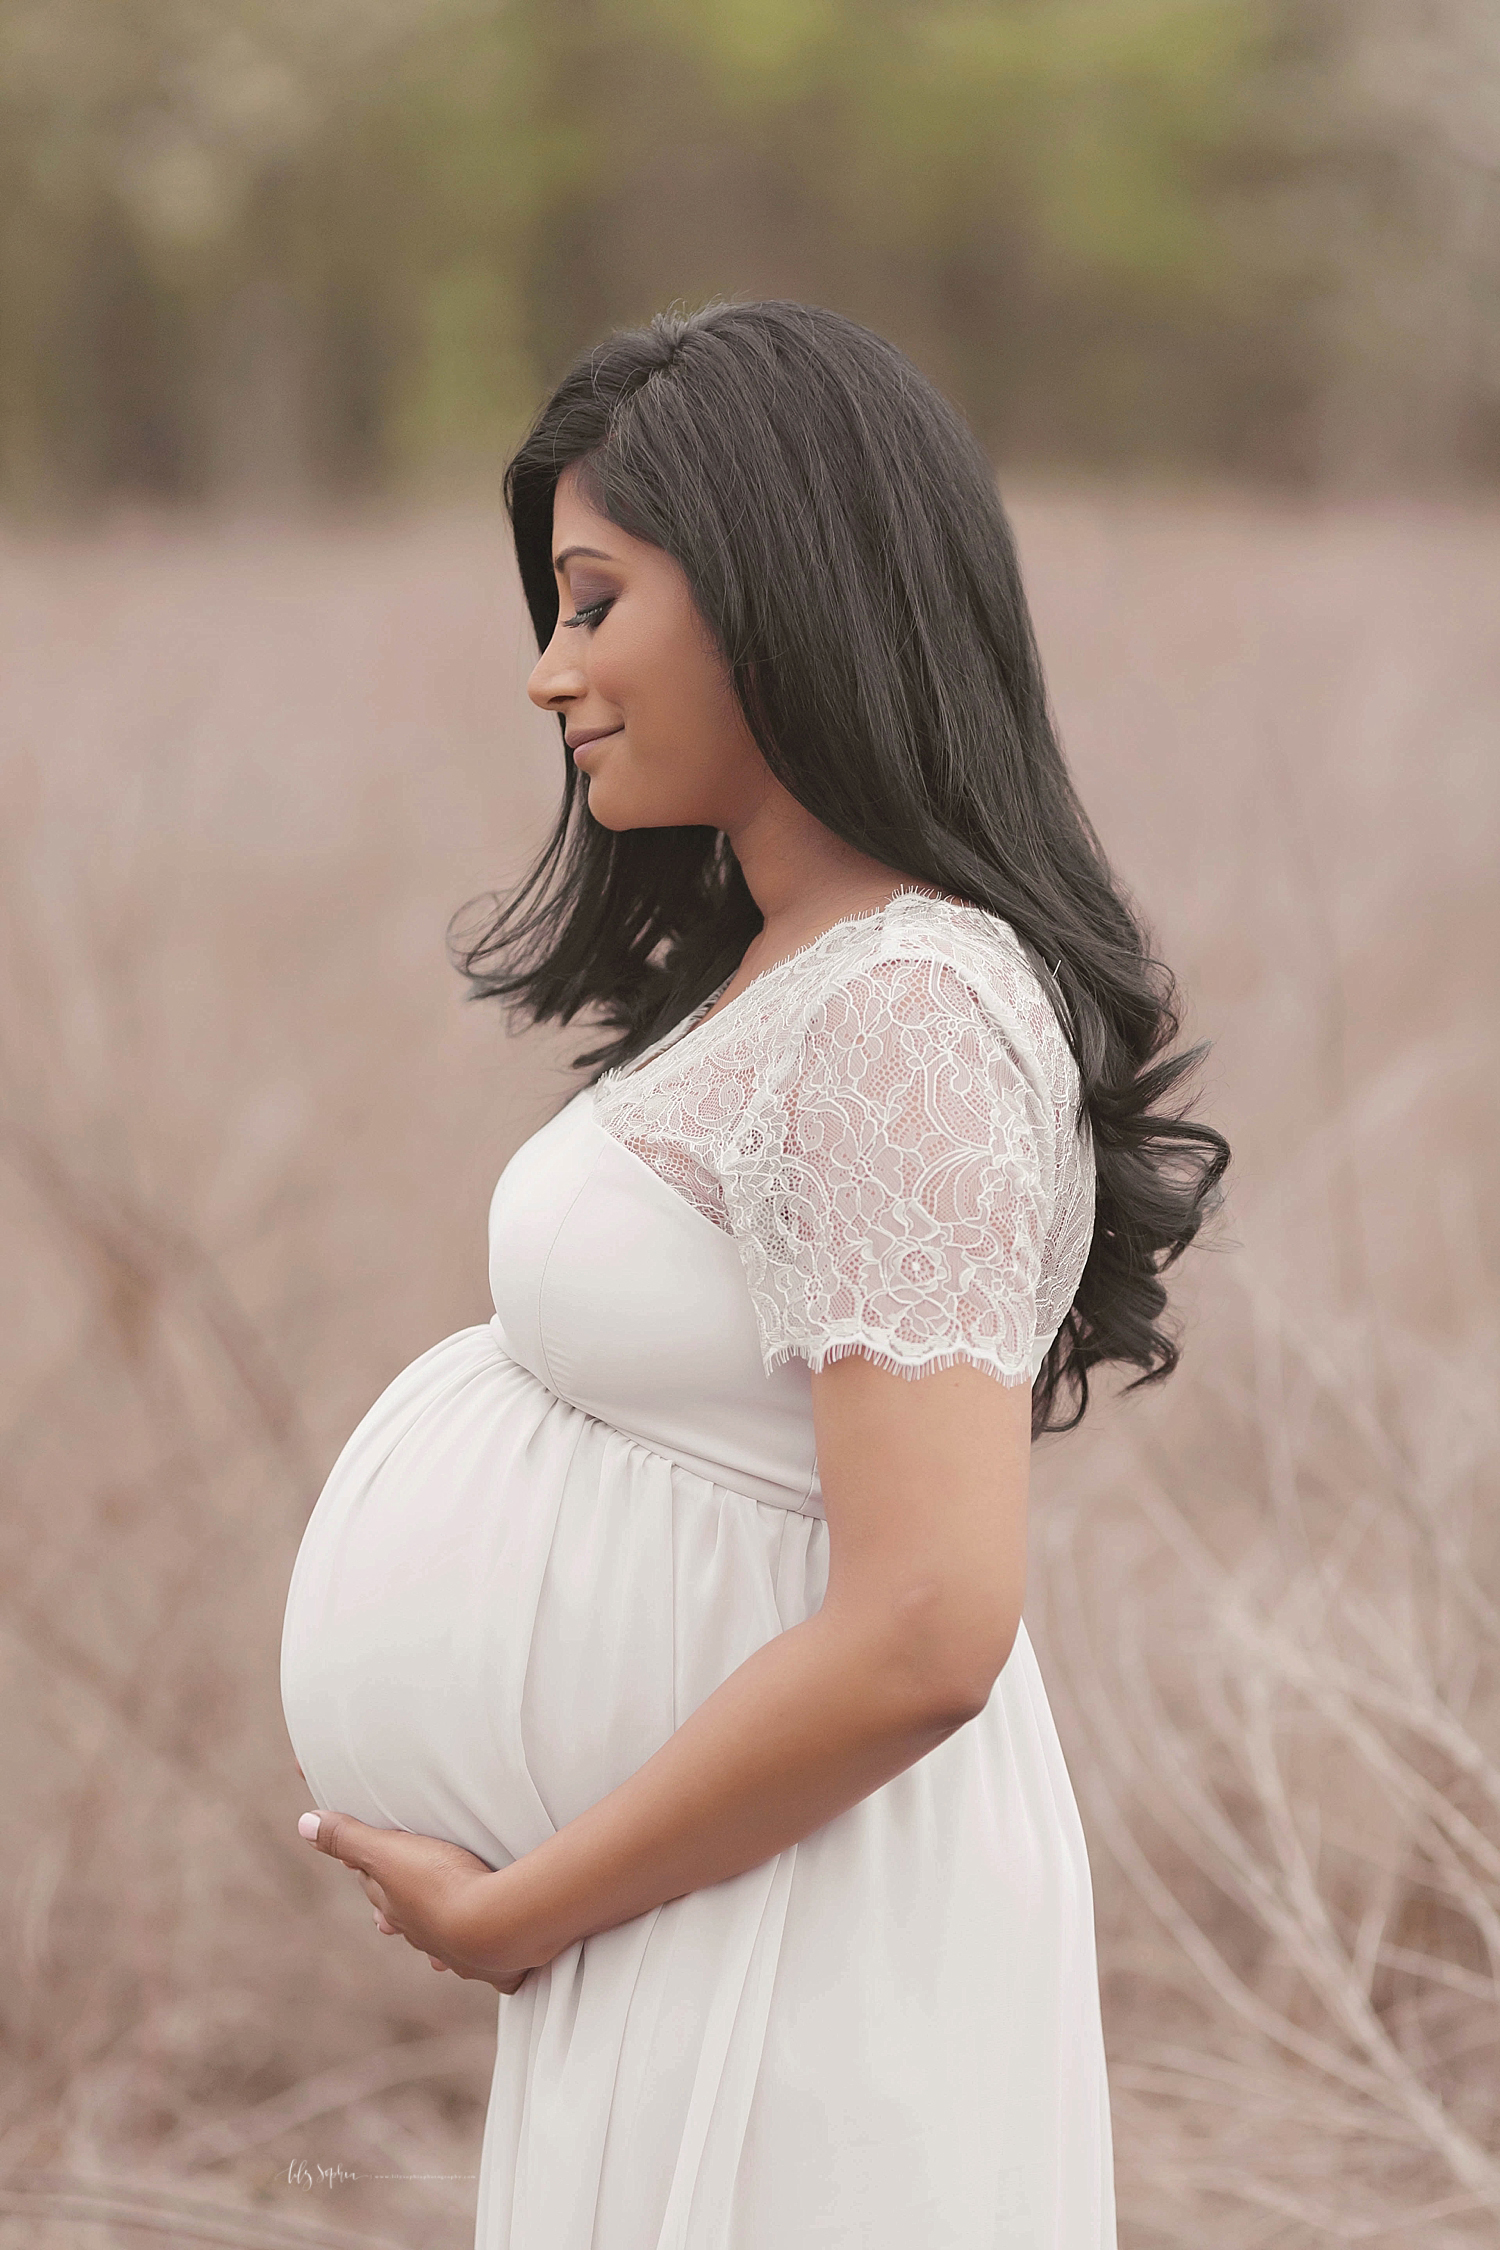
(249, 1133)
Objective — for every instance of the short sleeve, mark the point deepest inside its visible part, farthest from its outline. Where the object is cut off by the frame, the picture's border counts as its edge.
(891, 1186)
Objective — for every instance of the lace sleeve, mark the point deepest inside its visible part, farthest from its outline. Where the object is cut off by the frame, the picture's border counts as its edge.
(892, 1188)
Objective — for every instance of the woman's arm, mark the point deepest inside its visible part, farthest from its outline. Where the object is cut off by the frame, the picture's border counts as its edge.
(925, 1491)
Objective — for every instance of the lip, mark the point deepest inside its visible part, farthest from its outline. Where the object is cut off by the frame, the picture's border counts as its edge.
(595, 734)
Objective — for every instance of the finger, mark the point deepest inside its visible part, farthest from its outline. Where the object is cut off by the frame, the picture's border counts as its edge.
(342, 1837)
(437, 1964)
(386, 1929)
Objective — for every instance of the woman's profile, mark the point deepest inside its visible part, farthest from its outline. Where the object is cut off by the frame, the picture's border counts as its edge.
(654, 1651)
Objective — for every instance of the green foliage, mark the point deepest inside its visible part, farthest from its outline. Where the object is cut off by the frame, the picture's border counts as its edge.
(751, 51)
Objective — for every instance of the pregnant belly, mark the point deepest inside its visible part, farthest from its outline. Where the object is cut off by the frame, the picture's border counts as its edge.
(502, 1606)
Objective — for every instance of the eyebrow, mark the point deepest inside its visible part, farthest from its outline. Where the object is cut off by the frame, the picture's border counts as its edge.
(568, 553)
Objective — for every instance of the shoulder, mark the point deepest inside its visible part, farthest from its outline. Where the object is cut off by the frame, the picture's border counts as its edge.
(896, 1177)
(927, 974)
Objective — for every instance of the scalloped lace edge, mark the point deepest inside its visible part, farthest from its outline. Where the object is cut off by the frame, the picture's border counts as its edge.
(931, 1364)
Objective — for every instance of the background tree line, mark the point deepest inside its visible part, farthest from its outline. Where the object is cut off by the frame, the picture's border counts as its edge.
(252, 246)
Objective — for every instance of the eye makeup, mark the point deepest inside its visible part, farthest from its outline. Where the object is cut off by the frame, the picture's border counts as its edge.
(591, 612)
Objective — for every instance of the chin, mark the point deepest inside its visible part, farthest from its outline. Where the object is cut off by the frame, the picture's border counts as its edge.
(611, 813)
(606, 817)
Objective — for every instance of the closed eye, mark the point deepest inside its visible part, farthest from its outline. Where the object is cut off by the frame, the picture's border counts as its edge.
(592, 614)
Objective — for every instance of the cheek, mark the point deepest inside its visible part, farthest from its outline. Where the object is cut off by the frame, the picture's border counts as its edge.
(670, 689)
(634, 665)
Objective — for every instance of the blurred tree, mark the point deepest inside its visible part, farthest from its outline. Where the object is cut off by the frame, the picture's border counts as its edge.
(258, 245)
(1402, 104)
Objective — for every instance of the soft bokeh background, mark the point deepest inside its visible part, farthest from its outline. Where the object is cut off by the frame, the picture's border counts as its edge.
(279, 282)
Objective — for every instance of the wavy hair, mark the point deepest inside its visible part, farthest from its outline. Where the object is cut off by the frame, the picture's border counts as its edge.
(841, 531)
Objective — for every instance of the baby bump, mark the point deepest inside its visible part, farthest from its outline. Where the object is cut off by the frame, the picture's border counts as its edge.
(502, 1606)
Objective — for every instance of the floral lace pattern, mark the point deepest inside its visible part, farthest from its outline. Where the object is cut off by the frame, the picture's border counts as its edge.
(886, 1124)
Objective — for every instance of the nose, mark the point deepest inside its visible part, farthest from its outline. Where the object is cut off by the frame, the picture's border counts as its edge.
(556, 679)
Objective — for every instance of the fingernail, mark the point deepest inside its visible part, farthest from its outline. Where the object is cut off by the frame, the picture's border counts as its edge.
(308, 1826)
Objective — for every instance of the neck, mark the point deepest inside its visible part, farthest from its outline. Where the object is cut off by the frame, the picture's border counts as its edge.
(800, 874)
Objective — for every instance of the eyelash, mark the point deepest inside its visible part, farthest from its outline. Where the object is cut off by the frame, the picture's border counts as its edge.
(592, 614)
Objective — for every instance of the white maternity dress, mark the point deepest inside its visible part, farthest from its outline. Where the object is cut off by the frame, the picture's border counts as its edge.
(554, 1535)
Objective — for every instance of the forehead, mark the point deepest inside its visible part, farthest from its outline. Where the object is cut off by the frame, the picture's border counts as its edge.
(577, 525)
(574, 520)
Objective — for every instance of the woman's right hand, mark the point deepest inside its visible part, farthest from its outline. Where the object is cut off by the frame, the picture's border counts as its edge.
(388, 1929)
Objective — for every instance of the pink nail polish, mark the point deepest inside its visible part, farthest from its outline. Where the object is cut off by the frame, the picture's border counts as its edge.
(308, 1826)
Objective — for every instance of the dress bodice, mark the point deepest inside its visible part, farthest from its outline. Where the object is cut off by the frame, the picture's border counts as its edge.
(614, 1291)
(875, 1146)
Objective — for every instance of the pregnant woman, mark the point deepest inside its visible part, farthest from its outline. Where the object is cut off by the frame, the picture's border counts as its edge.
(654, 1652)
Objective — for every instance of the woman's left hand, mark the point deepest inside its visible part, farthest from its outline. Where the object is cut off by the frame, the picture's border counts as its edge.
(437, 1896)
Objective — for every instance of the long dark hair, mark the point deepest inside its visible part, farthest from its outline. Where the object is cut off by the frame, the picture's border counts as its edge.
(840, 529)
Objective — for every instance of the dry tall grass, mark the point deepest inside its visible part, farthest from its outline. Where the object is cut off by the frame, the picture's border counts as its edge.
(249, 1132)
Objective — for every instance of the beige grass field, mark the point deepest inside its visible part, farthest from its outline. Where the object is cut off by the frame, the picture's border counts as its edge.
(249, 1133)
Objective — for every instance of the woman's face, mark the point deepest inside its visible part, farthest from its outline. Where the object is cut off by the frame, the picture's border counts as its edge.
(648, 708)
